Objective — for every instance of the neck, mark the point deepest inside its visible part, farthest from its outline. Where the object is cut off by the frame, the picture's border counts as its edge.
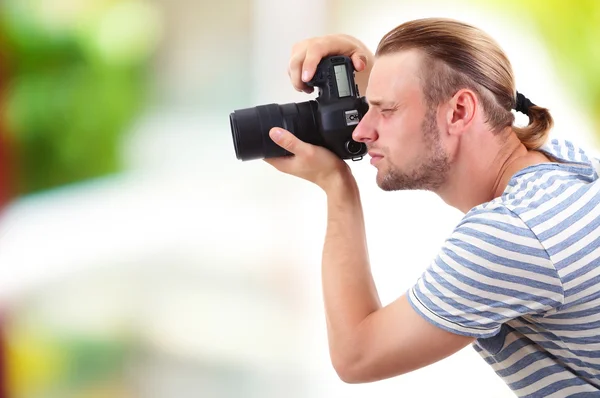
(481, 175)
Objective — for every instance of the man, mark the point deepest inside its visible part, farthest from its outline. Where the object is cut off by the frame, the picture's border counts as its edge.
(519, 276)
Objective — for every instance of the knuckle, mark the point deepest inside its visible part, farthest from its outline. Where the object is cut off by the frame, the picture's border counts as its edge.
(294, 60)
(297, 45)
(310, 151)
(318, 46)
(287, 144)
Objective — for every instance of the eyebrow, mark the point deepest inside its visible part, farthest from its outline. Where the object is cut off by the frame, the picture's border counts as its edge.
(380, 103)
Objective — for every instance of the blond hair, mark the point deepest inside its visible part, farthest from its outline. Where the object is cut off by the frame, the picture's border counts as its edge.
(458, 55)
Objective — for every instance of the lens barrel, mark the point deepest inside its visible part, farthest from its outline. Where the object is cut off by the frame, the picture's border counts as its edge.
(250, 128)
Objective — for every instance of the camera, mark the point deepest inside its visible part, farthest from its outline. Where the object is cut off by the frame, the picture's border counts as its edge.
(327, 121)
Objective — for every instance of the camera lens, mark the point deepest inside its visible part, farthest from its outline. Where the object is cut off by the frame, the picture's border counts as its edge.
(235, 133)
(353, 147)
(250, 128)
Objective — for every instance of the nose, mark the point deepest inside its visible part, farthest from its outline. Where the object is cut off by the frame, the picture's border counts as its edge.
(365, 130)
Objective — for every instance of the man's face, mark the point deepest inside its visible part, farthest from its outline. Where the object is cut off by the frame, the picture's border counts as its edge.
(400, 130)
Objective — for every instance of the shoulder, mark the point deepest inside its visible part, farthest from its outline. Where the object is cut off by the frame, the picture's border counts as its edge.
(496, 215)
(493, 231)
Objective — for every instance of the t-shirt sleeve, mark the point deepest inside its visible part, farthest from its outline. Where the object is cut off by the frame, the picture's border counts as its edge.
(492, 269)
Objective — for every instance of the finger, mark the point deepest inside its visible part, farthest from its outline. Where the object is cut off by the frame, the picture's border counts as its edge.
(286, 140)
(314, 54)
(359, 61)
(295, 70)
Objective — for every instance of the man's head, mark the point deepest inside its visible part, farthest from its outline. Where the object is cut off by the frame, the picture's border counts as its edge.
(433, 82)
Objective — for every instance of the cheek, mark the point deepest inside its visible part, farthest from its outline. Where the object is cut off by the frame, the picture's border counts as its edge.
(403, 135)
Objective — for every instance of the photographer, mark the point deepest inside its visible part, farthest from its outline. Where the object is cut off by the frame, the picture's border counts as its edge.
(519, 276)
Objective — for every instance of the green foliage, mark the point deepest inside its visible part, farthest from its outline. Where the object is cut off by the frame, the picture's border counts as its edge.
(72, 91)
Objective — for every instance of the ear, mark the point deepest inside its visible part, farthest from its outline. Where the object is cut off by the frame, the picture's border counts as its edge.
(461, 111)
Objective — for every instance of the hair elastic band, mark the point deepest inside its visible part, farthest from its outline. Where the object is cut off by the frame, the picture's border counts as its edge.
(523, 104)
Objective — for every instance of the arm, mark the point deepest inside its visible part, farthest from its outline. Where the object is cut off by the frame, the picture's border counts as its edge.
(368, 342)
(349, 291)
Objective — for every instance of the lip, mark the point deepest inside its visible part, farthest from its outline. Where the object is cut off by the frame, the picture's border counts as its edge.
(375, 157)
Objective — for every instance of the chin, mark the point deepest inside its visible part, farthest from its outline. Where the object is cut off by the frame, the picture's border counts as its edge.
(383, 183)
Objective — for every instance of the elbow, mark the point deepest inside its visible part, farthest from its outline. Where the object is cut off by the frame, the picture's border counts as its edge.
(348, 377)
(350, 371)
(354, 359)
(346, 374)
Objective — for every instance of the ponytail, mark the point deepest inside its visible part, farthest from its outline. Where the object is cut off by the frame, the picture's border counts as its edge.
(534, 135)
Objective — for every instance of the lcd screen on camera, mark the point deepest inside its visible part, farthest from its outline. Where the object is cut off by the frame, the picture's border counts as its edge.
(341, 77)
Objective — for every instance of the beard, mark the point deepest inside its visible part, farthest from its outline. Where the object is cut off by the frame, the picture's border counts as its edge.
(432, 170)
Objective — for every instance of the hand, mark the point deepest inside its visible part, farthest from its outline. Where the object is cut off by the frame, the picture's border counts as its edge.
(307, 54)
(309, 162)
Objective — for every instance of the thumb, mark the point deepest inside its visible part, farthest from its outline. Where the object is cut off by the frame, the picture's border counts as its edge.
(285, 139)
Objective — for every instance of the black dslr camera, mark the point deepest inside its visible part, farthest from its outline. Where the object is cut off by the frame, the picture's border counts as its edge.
(327, 121)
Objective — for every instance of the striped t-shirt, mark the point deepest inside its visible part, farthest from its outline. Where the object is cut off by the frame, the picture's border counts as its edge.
(521, 273)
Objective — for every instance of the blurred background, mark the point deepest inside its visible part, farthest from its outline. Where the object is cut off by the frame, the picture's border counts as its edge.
(140, 258)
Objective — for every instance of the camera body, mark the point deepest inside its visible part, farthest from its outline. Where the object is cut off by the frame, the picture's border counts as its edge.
(327, 121)
(340, 106)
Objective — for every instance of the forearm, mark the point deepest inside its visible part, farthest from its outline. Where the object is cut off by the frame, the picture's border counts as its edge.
(349, 291)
